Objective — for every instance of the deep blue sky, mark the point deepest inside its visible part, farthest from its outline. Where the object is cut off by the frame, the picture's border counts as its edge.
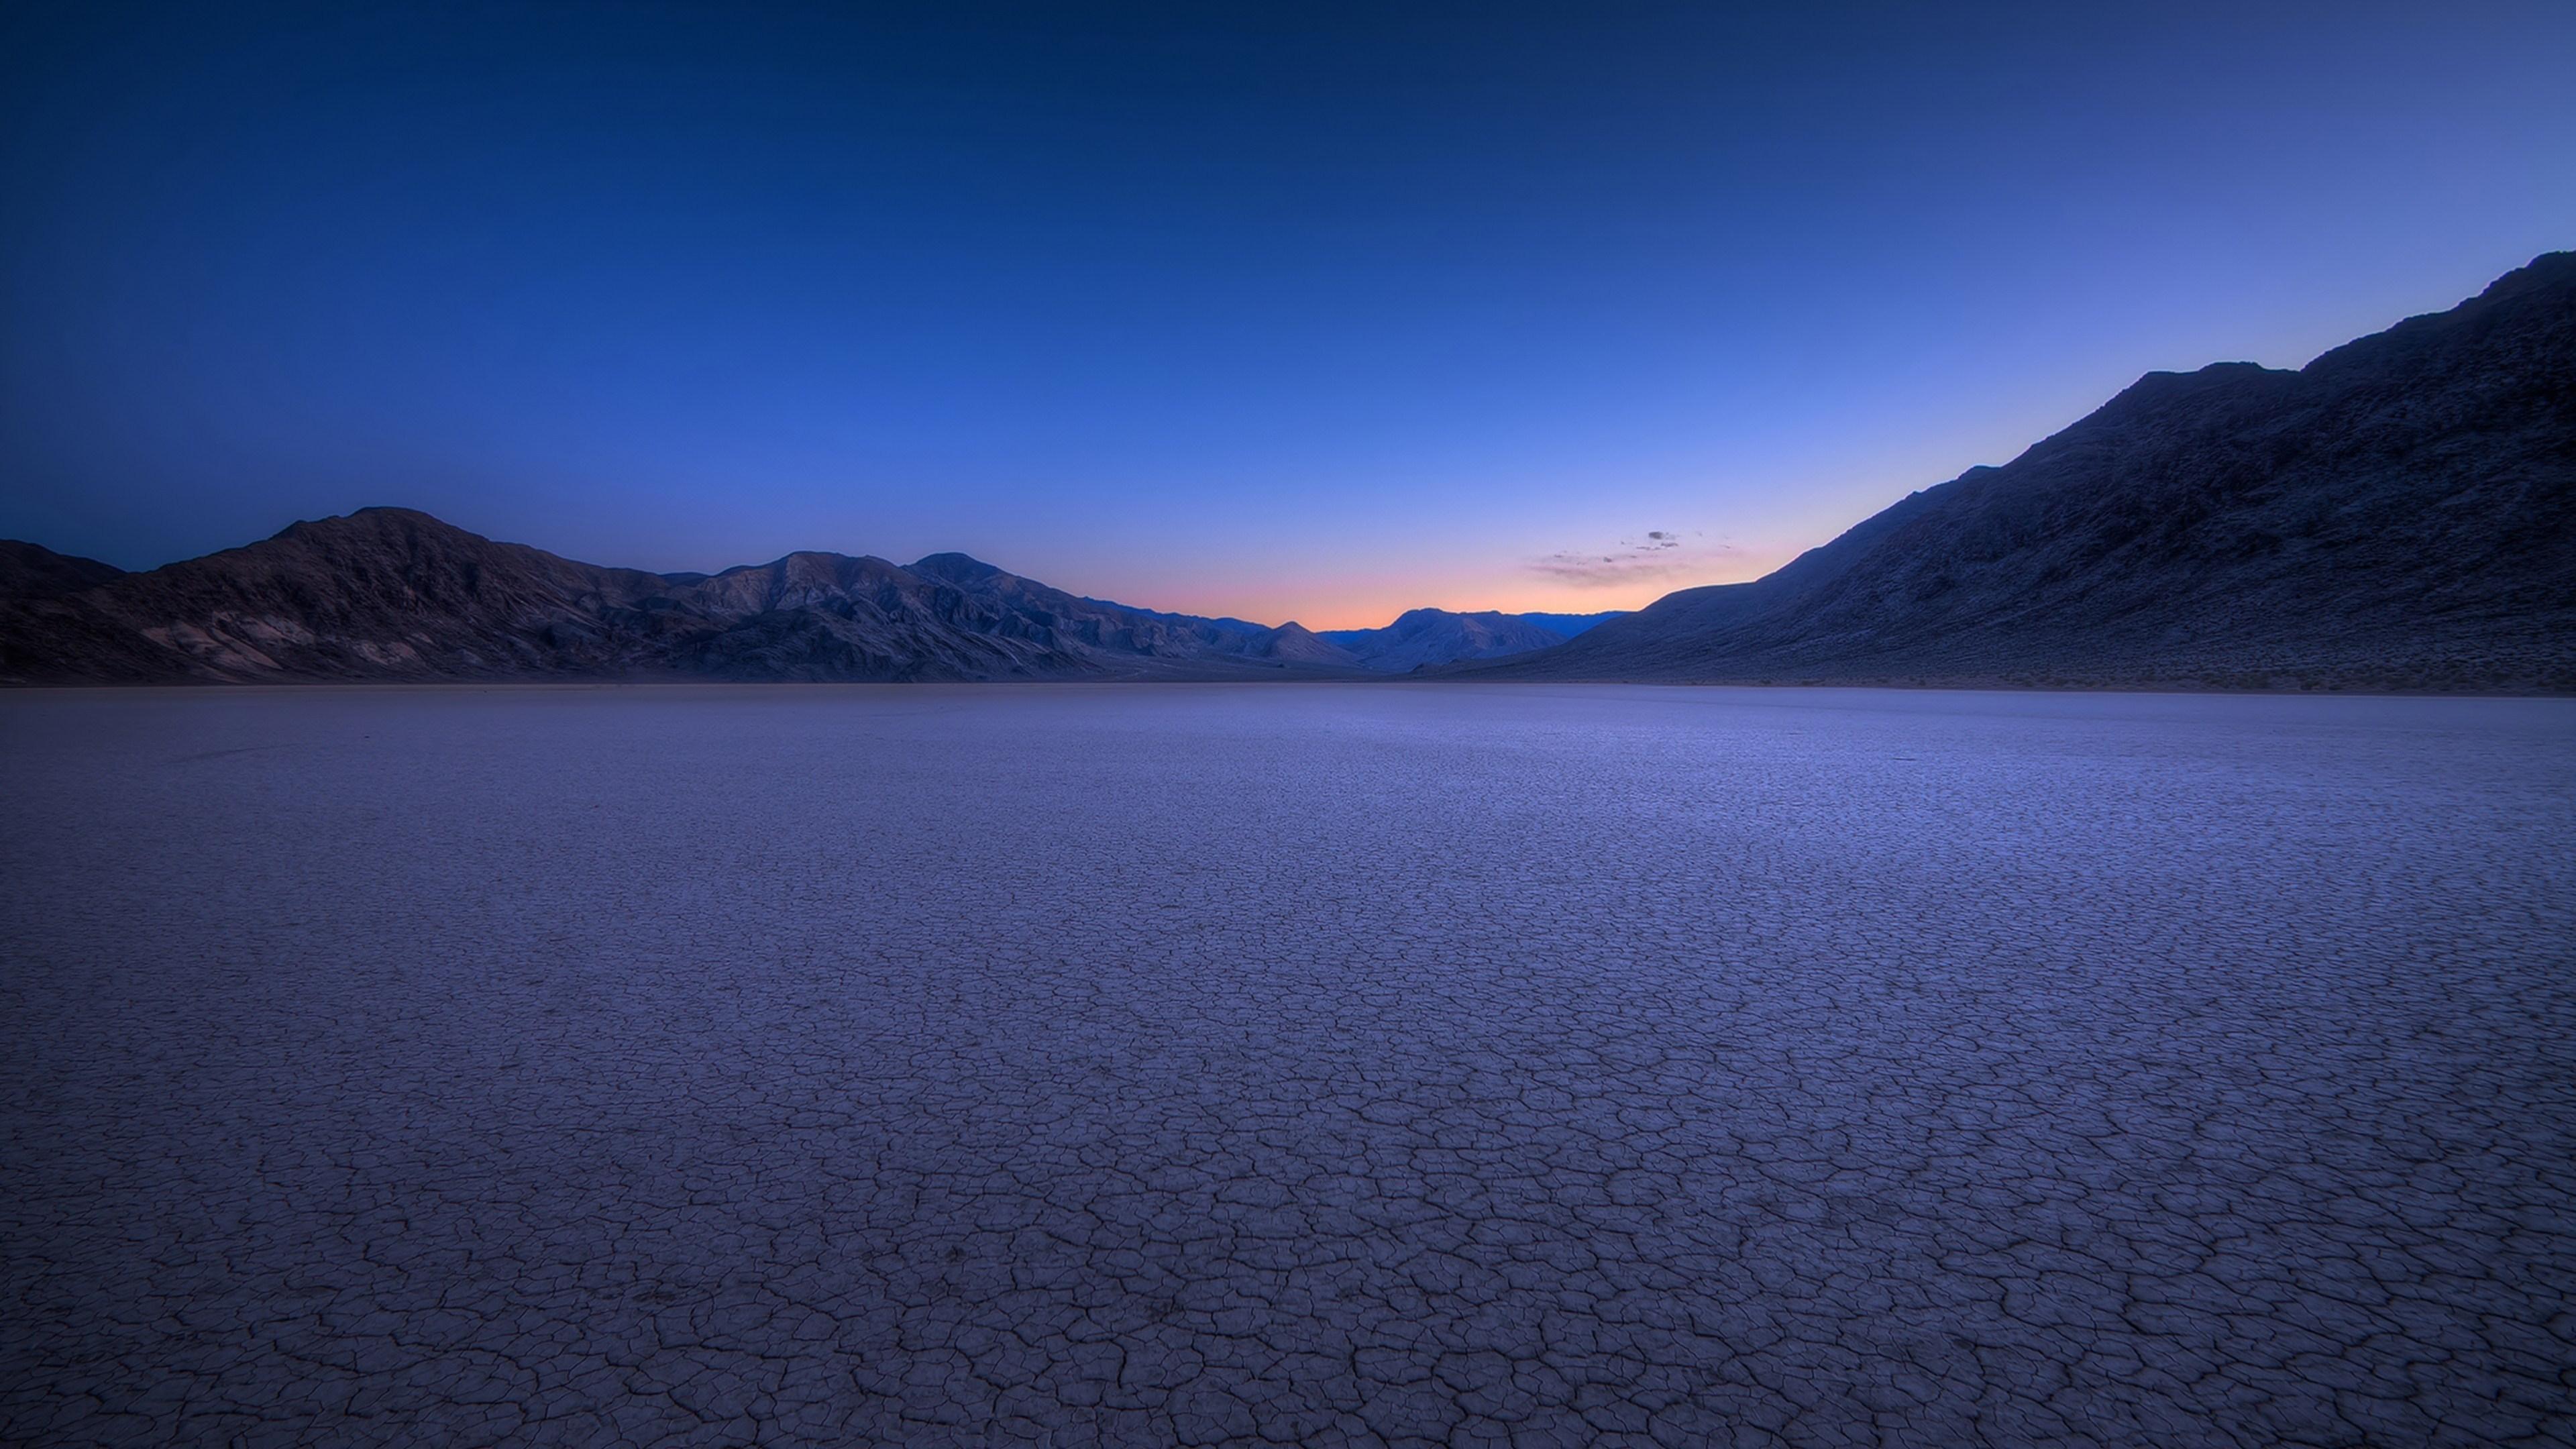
(1287, 310)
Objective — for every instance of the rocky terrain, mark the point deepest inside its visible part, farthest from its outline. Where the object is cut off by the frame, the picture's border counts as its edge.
(1421, 637)
(28, 571)
(2398, 514)
(388, 593)
(1566, 626)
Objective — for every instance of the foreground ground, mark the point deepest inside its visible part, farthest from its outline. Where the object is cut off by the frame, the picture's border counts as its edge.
(1311, 1065)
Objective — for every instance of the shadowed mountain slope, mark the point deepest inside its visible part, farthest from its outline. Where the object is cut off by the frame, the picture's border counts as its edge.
(29, 571)
(1438, 636)
(381, 593)
(387, 593)
(2398, 514)
(1566, 626)
(1120, 630)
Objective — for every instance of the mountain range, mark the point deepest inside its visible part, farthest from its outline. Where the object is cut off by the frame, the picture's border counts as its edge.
(393, 594)
(1423, 637)
(2398, 514)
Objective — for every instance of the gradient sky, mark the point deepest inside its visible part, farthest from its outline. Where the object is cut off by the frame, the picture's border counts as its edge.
(1309, 311)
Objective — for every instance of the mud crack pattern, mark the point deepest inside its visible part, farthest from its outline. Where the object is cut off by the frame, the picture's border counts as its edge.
(1230, 1066)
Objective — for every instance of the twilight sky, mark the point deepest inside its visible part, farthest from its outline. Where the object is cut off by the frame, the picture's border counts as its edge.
(1283, 311)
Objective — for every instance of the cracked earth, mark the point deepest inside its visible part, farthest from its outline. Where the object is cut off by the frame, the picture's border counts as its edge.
(1329, 1065)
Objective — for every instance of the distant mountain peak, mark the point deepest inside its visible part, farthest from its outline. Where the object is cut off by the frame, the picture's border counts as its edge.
(955, 568)
(1432, 636)
(374, 519)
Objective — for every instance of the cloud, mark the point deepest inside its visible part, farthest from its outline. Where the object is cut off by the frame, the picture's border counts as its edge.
(1658, 554)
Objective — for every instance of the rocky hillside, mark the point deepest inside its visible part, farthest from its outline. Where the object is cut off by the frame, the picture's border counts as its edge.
(1438, 636)
(387, 593)
(1566, 626)
(2398, 514)
(28, 571)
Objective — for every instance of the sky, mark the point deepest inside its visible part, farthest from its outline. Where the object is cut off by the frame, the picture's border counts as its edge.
(1308, 311)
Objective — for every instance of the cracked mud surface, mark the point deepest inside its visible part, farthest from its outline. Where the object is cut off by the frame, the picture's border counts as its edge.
(1294, 1065)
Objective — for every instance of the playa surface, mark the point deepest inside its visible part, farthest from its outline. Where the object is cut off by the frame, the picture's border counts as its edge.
(1302, 1064)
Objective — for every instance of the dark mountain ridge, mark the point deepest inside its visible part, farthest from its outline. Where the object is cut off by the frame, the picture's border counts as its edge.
(1438, 636)
(1566, 626)
(2398, 514)
(388, 593)
(31, 571)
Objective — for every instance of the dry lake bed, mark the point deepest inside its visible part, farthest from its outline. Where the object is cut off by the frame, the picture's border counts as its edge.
(1302, 1065)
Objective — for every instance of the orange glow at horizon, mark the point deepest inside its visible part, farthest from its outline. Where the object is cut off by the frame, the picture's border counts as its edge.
(1374, 599)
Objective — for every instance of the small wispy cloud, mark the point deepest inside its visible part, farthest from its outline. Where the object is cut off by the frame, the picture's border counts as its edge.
(1659, 553)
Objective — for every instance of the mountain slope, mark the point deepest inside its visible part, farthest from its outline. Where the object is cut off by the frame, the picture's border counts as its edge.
(2400, 513)
(387, 593)
(1134, 635)
(1566, 626)
(29, 571)
(381, 593)
(1438, 636)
